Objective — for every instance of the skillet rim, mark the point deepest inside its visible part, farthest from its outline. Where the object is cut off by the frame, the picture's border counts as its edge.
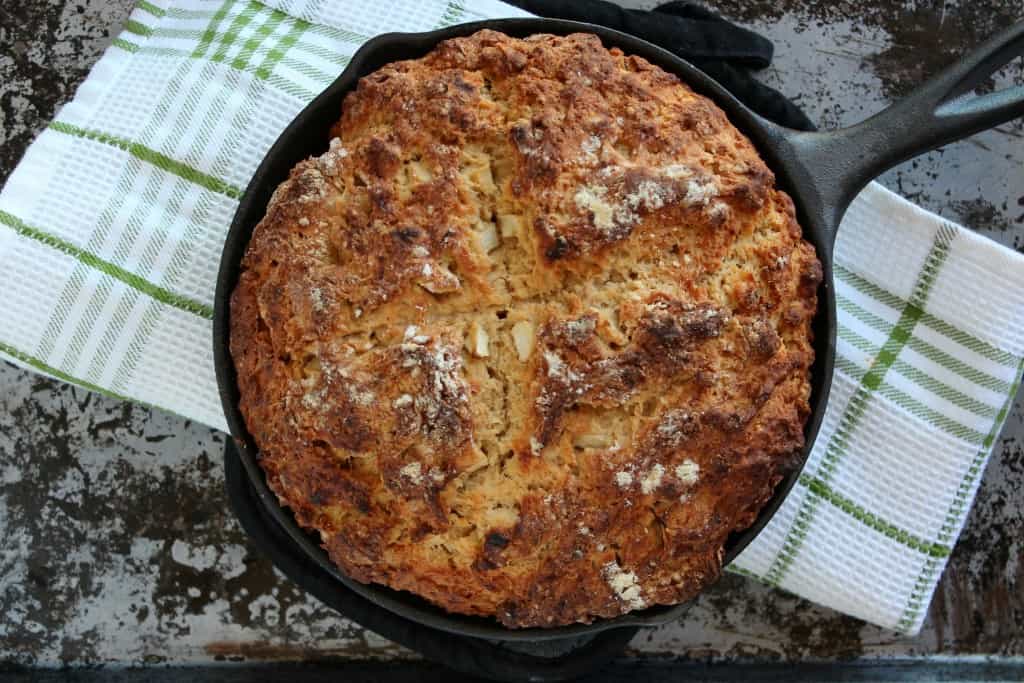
(771, 143)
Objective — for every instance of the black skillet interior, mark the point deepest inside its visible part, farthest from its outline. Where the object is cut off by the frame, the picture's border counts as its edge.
(821, 172)
(295, 144)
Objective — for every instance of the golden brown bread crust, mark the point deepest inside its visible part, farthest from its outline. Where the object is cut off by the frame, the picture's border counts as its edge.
(533, 337)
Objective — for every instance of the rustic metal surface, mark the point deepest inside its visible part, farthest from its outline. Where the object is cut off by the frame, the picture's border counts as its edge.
(631, 670)
(116, 543)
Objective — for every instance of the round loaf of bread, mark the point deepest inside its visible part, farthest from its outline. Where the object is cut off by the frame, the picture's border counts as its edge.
(533, 337)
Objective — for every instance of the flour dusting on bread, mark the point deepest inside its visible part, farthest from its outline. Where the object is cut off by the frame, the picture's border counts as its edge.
(532, 337)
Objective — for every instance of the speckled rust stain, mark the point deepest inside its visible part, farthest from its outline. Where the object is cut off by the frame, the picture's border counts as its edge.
(926, 34)
(96, 478)
(36, 75)
(989, 554)
(96, 497)
(898, 43)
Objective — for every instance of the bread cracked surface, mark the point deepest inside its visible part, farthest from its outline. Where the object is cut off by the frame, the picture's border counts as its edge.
(533, 337)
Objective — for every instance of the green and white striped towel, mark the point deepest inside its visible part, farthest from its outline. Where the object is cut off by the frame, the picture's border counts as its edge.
(111, 230)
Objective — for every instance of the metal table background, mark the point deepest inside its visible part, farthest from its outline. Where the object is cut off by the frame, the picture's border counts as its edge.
(116, 543)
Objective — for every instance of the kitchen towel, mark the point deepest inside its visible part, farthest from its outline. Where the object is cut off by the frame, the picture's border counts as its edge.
(111, 230)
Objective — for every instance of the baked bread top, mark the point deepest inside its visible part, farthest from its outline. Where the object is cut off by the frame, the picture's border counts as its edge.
(533, 336)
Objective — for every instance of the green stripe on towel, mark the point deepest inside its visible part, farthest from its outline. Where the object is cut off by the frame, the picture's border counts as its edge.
(155, 291)
(151, 156)
(869, 519)
(870, 381)
(38, 364)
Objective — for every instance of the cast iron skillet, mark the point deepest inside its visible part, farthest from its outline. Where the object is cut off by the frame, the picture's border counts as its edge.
(822, 172)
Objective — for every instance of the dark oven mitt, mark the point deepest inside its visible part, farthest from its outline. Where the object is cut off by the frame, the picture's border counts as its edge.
(719, 48)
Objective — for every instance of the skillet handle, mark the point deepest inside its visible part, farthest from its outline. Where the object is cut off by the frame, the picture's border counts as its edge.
(838, 164)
